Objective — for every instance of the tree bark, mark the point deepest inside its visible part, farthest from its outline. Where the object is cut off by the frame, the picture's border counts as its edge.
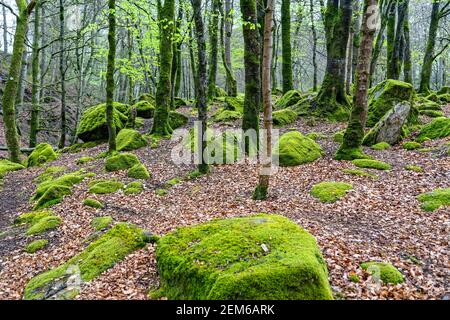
(314, 48)
(110, 84)
(161, 126)
(264, 176)
(10, 92)
(35, 98)
(407, 66)
(351, 146)
(288, 83)
(214, 49)
(62, 71)
(225, 36)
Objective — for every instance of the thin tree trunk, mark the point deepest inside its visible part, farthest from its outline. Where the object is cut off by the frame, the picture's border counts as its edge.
(5, 31)
(264, 175)
(110, 84)
(288, 83)
(351, 146)
(62, 71)
(35, 98)
(213, 53)
(10, 92)
(314, 48)
(407, 66)
(203, 167)
(225, 34)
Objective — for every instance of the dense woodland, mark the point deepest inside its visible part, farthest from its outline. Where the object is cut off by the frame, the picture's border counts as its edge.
(316, 129)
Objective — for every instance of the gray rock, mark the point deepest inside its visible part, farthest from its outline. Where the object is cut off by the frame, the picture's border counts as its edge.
(389, 128)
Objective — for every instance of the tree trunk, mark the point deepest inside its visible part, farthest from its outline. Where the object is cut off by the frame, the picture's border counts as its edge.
(264, 175)
(161, 126)
(10, 92)
(110, 84)
(314, 48)
(252, 66)
(332, 101)
(176, 61)
(288, 83)
(214, 45)
(351, 146)
(62, 71)
(5, 31)
(425, 75)
(203, 167)
(225, 36)
(390, 39)
(384, 8)
(407, 66)
(35, 98)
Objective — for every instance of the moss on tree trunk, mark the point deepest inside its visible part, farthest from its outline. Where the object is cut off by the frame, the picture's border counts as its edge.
(288, 83)
(110, 84)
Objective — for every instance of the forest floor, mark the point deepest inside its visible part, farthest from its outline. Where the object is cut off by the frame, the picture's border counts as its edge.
(379, 220)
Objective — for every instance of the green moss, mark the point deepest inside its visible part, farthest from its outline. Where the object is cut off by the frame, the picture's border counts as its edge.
(161, 192)
(144, 109)
(8, 166)
(52, 196)
(339, 136)
(180, 102)
(350, 154)
(130, 139)
(444, 98)
(249, 258)
(194, 175)
(138, 171)
(235, 104)
(227, 116)
(425, 150)
(96, 258)
(432, 113)
(78, 147)
(414, 168)
(294, 149)
(105, 187)
(289, 99)
(444, 90)
(438, 128)
(316, 136)
(92, 126)
(100, 223)
(384, 96)
(32, 217)
(44, 224)
(41, 154)
(177, 120)
(36, 245)
(353, 277)
(381, 146)
(93, 203)
(134, 187)
(330, 191)
(435, 199)
(147, 97)
(121, 161)
(284, 117)
(83, 160)
(173, 182)
(372, 164)
(359, 173)
(383, 271)
(411, 145)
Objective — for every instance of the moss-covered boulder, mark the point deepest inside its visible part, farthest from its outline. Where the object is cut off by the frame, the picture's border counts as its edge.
(389, 128)
(435, 199)
(444, 90)
(294, 149)
(130, 139)
(438, 128)
(138, 171)
(41, 154)
(180, 102)
(89, 202)
(144, 109)
(330, 191)
(284, 117)
(121, 161)
(249, 258)
(235, 104)
(431, 113)
(227, 116)
(147, 97)
(134, 187)
(177, 120)
(92, 124)
(411, 145)
(372, 164)
(105, 186)
(100, 223)
(44, 224)
(381, 146)
(8, 166)
(36, 245)
(385, 96)
(96, 258)
(383, 271)
(289, 99)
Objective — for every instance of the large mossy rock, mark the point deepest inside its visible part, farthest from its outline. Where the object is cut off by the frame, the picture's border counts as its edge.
(389, 128)
(177, 120)
(249, 258)
(121, 161)
(41, 154)
(284, 117)
(96, 258)
(385, 96)
(438, 128)
(235, 104)
(8, 166)
(444, 90)
(144, 109)
(130, 139)
(92, 125)
(289, 99)
(295, 149)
